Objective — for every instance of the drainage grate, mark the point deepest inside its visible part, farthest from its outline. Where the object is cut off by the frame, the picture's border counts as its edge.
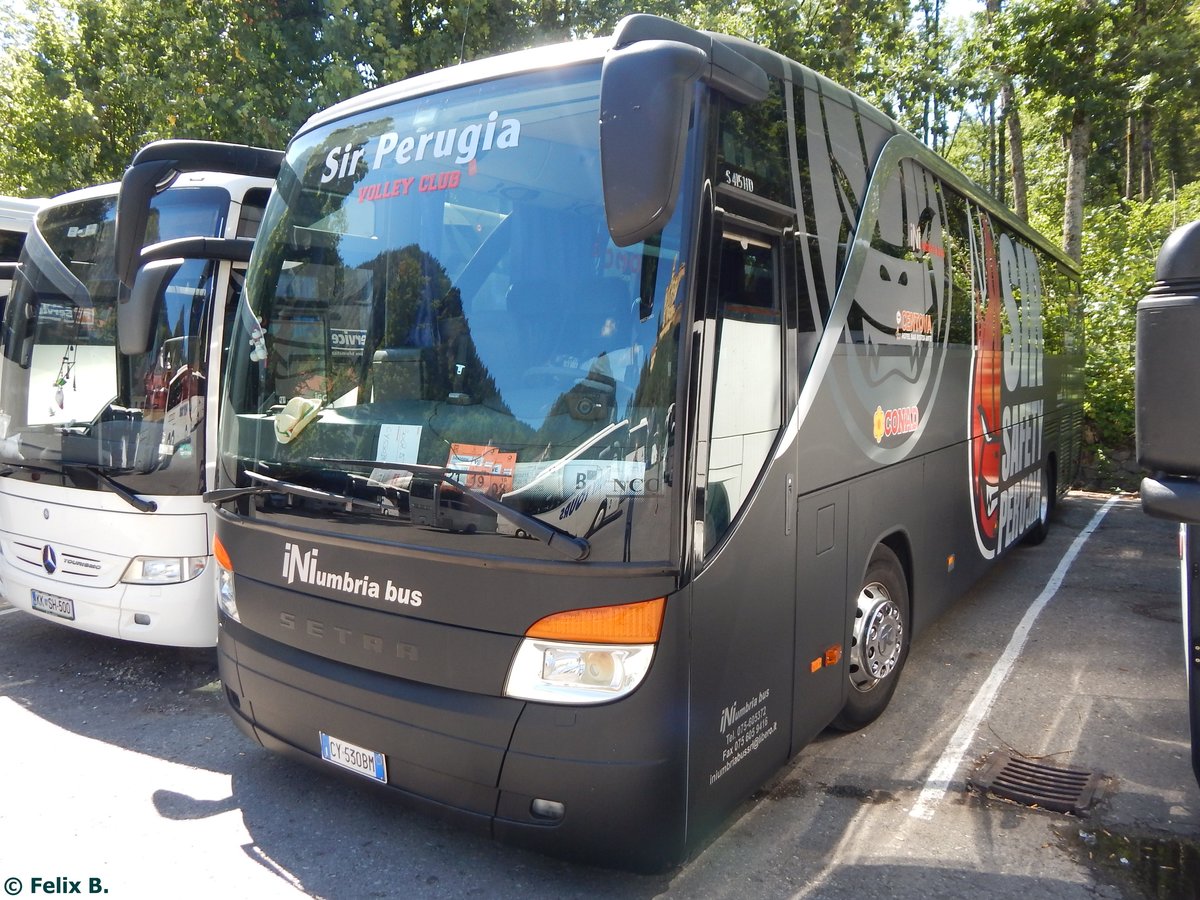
(1035, 784)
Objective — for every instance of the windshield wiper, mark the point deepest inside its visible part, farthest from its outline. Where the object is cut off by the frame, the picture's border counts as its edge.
(116, 487)
(271, 485)
(96, 472)
(576, 549)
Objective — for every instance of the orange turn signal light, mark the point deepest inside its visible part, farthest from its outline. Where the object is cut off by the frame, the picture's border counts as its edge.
(629, 623)
(222, 555)
(831, 657)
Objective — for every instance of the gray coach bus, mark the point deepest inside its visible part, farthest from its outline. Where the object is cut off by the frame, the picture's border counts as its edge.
(602, 422)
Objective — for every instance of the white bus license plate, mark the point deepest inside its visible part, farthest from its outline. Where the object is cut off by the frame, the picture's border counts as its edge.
(352, 757)
(55, 606)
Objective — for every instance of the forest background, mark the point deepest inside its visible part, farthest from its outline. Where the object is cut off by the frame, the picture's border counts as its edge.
(1082, 115)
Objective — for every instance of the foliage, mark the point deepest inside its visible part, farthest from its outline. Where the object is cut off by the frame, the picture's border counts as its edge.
(100, 78)
(1121, 244)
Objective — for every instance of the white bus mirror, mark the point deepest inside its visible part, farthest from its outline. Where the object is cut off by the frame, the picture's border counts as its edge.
(158, 265)
(155, 168)
(140, 184)
(136, 312)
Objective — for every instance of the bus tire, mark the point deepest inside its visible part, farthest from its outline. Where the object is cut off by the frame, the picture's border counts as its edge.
(1038, 532)
(879, 641)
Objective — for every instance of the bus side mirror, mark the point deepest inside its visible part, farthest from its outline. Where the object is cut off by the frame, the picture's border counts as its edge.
(1168, 381)
(158, 265)
(136, 312)
(140, 184)
(1167, 364)
(645, 103)
(646, 91)
(153, 170)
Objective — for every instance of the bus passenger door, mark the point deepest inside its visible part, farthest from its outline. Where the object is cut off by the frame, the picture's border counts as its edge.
(820, 679)
(742, 526)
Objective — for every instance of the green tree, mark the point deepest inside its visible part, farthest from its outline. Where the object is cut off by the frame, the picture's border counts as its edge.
(1120, 249)
(100, 78)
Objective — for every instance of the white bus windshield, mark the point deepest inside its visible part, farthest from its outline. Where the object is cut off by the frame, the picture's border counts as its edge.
(68, 397)
(434, 284)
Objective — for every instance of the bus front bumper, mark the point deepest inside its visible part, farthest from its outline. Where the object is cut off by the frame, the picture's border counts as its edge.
(602, 784)
(176, 615)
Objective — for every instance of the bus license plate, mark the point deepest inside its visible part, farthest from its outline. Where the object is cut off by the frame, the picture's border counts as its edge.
(62, 607)
(352, 757)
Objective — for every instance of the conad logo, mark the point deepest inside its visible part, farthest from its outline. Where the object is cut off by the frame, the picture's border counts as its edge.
(889, 423)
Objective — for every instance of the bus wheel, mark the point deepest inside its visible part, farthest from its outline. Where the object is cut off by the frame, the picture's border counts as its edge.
(1038, 533)
(879, 642)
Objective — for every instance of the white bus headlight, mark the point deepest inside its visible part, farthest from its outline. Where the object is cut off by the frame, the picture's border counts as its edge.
(163, 569)
(586, 655)
(577, 673)
(226, 594)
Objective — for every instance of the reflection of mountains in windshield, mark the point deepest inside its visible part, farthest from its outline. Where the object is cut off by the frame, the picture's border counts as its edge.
(419, 341)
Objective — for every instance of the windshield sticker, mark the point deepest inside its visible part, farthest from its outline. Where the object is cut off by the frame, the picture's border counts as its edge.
(397, 444)
(347, 342)
(461, 145)
(487, 469)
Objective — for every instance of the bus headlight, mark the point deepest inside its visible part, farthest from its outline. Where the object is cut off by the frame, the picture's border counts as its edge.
(164, 569)
(226, 596)
(590, 655)
(226, 593)
(577, 673)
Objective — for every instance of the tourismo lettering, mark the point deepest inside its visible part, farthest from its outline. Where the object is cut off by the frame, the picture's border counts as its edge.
(460, 144)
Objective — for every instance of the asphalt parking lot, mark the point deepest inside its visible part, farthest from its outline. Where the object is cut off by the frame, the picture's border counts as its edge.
(121, 774)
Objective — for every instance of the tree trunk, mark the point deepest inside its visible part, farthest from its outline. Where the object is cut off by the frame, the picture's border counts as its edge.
(1129, 160)
(1016, 152)
(1001, 156)
(1078, 147)
(1017, 156)
(991, 133)
(1145, 126)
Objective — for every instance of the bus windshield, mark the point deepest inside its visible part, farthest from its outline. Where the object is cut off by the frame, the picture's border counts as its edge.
(434, 287)
(69, 400)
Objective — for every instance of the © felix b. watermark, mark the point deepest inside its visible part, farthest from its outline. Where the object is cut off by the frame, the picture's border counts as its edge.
(59, 884)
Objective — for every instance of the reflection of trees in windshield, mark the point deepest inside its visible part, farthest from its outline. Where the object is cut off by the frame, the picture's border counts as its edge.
(419, 344)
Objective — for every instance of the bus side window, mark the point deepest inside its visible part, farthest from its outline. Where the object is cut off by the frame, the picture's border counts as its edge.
(901, 297)
(958, 251)
(747, 390)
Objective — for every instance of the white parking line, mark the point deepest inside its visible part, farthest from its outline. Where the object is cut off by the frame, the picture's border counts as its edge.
(939, 779)
(11, 609)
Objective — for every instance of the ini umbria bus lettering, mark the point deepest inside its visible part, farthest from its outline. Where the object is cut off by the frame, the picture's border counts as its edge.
(572, 495)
